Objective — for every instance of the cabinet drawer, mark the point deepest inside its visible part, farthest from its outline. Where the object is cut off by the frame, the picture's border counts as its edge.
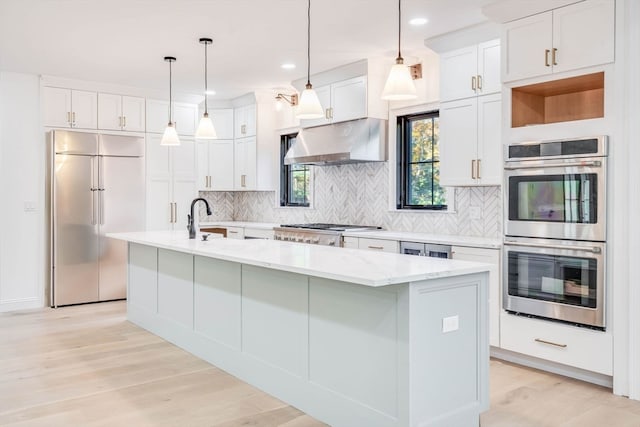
(235, 233)
(350, 242)
(379, 245)
(557, 342)
(258, 233)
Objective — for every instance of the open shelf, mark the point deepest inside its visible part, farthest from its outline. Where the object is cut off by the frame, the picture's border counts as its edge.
(575, 98)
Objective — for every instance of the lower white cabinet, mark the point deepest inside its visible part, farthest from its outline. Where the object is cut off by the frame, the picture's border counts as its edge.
(171, 183)
(258, 233)
(488, 256)
(215, 165)
(570, 345)
(350, 242)
(379, 245)
(235, 233)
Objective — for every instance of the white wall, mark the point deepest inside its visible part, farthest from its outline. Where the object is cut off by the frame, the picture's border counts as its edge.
(22, 172)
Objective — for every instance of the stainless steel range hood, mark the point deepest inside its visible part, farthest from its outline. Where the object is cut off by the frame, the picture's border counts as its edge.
(356, 141)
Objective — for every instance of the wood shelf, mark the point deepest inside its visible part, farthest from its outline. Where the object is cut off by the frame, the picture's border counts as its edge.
(575, 98)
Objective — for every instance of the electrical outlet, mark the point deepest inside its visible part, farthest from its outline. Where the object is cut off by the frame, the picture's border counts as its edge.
(475, 212)
(29, 206)
(450, 324)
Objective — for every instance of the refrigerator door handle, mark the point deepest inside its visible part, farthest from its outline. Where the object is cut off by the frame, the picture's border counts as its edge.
(100, 190)
(93, 189)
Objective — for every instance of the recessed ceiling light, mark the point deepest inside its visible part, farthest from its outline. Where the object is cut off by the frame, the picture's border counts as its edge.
(418, 21)
(288, 66)
(210, 92)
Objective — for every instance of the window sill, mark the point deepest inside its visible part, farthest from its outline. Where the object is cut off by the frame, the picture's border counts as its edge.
(423, 211)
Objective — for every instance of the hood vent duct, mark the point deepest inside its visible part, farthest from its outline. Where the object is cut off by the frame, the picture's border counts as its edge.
(355, 141)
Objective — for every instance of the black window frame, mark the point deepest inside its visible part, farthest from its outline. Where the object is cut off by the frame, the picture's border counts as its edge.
(286, 176)
(403, 162)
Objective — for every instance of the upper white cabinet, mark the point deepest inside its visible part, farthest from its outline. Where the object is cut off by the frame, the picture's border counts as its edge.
(342, 101)
(185, 117)
(470, 141)
(568, 38)
(70, 108)
(117, 112)
(245, 166)
(471, 71)
(222, 119)
(245, 121)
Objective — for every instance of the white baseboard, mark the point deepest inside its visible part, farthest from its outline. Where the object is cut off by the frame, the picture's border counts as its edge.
(553, 367)
(20, 304)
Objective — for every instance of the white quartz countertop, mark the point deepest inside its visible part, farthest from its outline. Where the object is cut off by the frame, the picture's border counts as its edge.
(349, 265)
(444, 239)
(257, 225)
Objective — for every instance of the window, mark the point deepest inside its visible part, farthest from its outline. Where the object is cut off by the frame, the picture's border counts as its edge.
(419, 163)
(294, 179)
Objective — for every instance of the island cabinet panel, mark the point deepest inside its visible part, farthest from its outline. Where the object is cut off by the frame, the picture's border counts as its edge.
(346, 323)
(217, 300)
(142, 289)
(175, 287)
(274, 318)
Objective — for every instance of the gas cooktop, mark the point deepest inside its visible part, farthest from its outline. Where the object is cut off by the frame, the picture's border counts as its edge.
(330, 227)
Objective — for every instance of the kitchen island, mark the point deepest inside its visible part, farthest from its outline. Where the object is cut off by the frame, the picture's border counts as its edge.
(351, 337)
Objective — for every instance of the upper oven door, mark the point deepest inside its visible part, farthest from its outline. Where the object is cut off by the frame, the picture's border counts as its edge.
(557, 199)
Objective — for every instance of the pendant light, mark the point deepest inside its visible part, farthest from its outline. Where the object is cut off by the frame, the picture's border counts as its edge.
(205, 128)
(309, 106)
(399, 84)
(170, 136)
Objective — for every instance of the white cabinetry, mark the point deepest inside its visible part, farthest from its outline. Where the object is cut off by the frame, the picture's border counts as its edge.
(68, 108)
(570, 345)
(245, 163)
(185, 117)
(117, 112)
(171, 183)
(568, 38)
(488, 256)
(235, 233)
(342, 101)
(470, 141)
(471, 71)
(256, 145)
(215, 165)
(245, 121)
(380, 245)
(215, 157)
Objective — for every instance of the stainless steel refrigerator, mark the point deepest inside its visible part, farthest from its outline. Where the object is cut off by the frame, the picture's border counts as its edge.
(97, 187)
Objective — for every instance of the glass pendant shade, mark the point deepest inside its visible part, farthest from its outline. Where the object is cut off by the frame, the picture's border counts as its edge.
(399, 86)
(206, 129)
(309, 106)
(170, 136)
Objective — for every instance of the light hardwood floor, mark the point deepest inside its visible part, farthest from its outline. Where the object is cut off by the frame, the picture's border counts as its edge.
(87, 366)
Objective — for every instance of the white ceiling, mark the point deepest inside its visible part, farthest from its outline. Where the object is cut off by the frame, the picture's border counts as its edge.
(123, 42)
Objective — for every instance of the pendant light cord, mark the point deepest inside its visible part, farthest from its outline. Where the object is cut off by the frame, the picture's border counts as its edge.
(309, 44)
(170, 98)
(206, 110)
(399, 27)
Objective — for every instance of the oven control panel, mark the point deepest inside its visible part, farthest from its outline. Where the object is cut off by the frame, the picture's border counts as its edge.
(311, 237)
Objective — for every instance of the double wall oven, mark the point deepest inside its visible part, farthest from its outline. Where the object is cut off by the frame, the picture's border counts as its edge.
(555, 226)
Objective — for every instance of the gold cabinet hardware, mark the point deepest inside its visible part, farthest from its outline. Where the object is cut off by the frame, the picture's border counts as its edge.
(473, 83)
(546, 58)
(479, 82)
(124, 121)
(554, 56)
(73, 117)
(550, 343)
(478, 169)
(375, 247)
(243, 180)
(69, 117)
(473, 169)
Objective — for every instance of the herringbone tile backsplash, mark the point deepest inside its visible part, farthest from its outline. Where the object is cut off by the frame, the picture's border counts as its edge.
(358, 194)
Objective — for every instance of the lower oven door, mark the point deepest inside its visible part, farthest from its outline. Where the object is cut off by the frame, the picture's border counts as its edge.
(556, 279)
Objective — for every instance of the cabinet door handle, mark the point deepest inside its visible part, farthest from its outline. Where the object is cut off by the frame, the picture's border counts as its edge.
(376, 247)
(479, 82)
(473, 169)
(478, 169)
(69, 117)
(243, 129)
(120, 121)
(170, 213)
(326, 114)
(331, 112)
(73, 117)
(550, 343)
(554, 56)
(209, 181)
(243, 180)
(124, 121)
(473, 83)
(546, 57)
